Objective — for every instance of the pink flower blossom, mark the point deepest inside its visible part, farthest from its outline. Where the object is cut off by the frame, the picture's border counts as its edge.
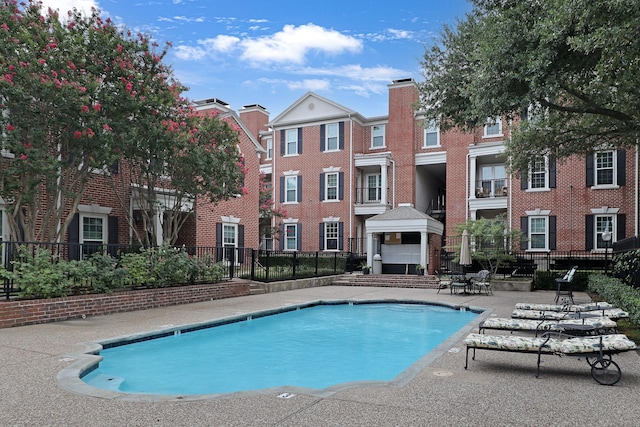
(4, 26)
(77, 134)
(97, 107)
(106, 127)
(245, 191)
(23, 157)
(10, 127)
(119, 48)
(85, 109)
(42, 61)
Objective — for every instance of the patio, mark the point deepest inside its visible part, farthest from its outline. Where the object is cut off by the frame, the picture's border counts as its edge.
(498, 389)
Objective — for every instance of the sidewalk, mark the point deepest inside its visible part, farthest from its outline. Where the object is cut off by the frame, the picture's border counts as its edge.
(498, 389)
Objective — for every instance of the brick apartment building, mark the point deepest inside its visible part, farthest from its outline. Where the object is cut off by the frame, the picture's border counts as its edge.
(389, 185)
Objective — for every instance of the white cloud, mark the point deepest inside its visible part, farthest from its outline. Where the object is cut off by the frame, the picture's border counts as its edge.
(357, 72)
(63, 6)
(400, 34)
(188, 53)
(221, 43)
(309, 84)
(292, 44)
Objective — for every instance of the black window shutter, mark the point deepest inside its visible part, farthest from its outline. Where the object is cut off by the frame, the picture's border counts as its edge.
(622, 167)
(112, 235)
(590, 171)
(552, 233)
(321, 235)
(282, 189)
(621, 226)
(115, 167)
(322, 177)
(299, 237)
(299, 189)
(282, 143)
(524, 180)
(552, 172)
(341, 135)
(340, 185)
(299, 140)
(524, 227)
(322, 137)
(588, 231)
(219, 245)
(240, 244)
(73, 235)
(341, 236)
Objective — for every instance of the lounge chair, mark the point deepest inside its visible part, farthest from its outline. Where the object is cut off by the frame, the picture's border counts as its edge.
(597, 350)
(564, 307)
(611, 313)
(598, 325)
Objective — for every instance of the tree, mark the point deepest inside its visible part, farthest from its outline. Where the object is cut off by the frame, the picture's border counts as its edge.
(70, 93)
(491, 243)
(568, 68)
(268, 211)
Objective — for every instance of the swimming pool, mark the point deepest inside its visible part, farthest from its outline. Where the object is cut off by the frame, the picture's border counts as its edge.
(315, 346)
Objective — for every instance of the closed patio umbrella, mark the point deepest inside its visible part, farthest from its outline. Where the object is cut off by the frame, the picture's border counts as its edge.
(465, 253)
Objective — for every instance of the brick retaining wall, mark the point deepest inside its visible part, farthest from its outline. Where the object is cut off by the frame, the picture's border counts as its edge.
(28, 312)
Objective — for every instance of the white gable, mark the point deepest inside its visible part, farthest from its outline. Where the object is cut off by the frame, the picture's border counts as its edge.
(311, 108)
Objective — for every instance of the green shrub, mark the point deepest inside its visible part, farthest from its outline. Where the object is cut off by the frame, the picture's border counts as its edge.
(138, 266)
(39, 274)
(107, 276)
(626, 266)
(546, 280)
(616, 292)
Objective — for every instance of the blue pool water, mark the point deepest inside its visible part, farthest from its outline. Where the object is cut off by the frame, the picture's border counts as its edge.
(313, 347)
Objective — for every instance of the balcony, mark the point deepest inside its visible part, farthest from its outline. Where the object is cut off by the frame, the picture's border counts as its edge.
(369, 200)
(490, 188)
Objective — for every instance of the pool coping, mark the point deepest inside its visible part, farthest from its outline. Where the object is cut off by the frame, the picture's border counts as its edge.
(83, 362)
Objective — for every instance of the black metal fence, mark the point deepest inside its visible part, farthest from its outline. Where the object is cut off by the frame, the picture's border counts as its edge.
(246, 263)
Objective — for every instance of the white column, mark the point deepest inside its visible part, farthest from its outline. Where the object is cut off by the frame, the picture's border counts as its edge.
(384, 183)
(424, 247)
(370, 253)
(472, 177)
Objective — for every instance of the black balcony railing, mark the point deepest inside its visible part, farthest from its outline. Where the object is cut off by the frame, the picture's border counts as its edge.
(368, 195)
(491, 188)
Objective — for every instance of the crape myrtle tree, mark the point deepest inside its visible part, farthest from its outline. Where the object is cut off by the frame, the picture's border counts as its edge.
(564, 71)
(179, 157)
(78, 94)
(69, 89)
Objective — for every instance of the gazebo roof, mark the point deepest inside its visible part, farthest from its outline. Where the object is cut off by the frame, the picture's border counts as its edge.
(404, 218)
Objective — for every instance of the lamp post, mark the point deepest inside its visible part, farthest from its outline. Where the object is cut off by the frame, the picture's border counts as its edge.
(606, 237)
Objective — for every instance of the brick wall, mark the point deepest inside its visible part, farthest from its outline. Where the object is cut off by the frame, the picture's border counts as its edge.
(29, 312)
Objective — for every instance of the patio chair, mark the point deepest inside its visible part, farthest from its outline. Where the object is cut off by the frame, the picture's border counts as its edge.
(482, 282)
(459, 281)
(564, 285)
(596, 350)
(443, 281)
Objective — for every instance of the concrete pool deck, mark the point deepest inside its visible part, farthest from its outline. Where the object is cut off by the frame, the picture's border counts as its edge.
(499, 388)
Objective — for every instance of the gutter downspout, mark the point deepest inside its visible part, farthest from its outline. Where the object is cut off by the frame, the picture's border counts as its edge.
(393, 187)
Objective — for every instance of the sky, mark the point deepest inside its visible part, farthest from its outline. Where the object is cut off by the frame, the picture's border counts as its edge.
(273, 52)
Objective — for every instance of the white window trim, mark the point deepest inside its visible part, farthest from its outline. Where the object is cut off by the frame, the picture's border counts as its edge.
(384, 138)
(295, 201)
(326, 223)
(326, 187)
(546, 178)
(291, 222)
(326, 138)
(615, 172)
(269, 150)
(538, 213)
(437, 131)
(286, 143)
(614, 226)
(490, 121)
